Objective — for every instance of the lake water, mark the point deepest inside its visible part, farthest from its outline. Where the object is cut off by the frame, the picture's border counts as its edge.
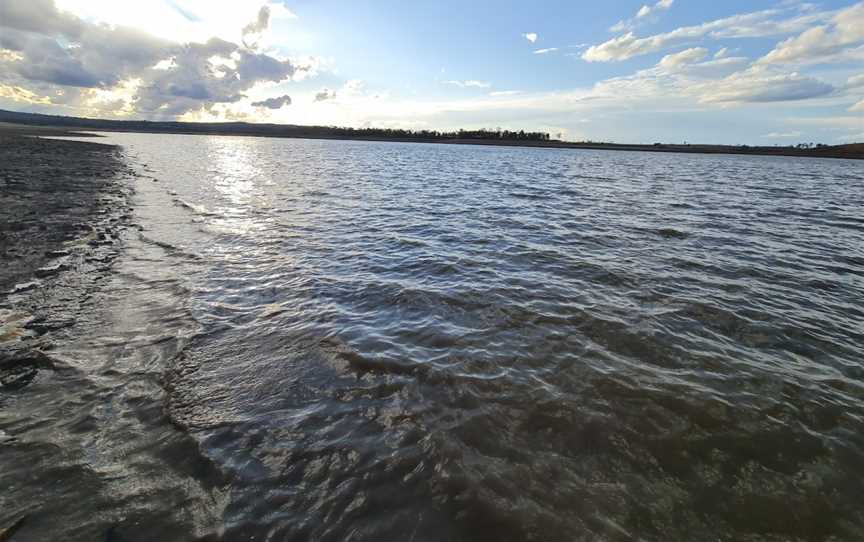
(338, 340)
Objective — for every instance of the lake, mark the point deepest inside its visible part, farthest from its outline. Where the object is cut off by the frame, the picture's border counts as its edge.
(347, 340)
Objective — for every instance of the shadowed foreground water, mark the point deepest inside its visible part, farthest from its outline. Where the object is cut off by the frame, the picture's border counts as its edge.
(378, 341)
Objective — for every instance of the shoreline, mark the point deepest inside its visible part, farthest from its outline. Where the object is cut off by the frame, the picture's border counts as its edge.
(663, 148)
(52, 193)
(81, 127)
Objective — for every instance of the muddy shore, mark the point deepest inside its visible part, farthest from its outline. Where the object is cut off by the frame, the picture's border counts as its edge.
(51, 193)
(62, 208)
(63, 205)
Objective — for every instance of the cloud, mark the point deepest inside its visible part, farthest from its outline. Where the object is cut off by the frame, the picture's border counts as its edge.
(747, 25)
(252, 31)
(274, 103)
(20, 94)
(756, 85)
(688, 63)
(324, 95)
(688, 56)
(545, 51)
(644, 12)
(59, 51)
(58, 48)
(829, 42)
(857, 107)
(470, 83)
(530, 36)
(782, 135)
(505, 93)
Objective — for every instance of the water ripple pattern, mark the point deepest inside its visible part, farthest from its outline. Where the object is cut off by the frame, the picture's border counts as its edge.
(433, 342)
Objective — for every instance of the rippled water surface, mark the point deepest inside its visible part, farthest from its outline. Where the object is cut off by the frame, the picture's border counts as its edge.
(380, 341)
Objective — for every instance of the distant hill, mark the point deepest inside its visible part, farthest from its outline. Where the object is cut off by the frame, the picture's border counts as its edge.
(463, 137)
(266, 130)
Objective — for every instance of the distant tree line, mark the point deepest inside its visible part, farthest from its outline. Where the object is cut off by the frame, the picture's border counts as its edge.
(808, 146)
(284, 130)
(399, 133)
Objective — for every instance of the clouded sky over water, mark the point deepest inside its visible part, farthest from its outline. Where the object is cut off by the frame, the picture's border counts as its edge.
(759, 72)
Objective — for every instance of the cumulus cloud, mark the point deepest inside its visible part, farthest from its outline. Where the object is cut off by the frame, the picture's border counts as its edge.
(274, 103)
(60, 51)
(748, 25)
(217, 71)
(530, 36)
(835, 40)
(58, 48)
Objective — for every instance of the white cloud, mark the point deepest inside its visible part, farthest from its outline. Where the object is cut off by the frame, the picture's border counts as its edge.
(688, 56)
(858, 107)
(687, 63)
(87, 64)
(747, 25)
(756, 85)
(721, 53)
(644, 12)
(469, 83)
(825, 42)
(178, 20)
(545, 51)
(530, 36)
(782, 135)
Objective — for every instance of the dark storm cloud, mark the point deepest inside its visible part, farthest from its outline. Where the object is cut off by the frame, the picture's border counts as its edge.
(58, 48)
(274, 103)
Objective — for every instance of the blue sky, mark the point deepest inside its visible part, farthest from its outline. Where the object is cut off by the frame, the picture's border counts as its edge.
(668, 70)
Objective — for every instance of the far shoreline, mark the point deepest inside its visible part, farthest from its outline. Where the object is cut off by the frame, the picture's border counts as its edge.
(86, 127)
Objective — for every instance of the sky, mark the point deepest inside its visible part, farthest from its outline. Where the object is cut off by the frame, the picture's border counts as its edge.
(738, 72)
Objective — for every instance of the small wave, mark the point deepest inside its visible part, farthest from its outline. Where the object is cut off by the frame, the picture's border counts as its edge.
(196, 209)
(174, 249)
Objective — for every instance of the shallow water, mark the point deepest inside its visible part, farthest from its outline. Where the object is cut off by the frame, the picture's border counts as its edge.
(372, 341)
